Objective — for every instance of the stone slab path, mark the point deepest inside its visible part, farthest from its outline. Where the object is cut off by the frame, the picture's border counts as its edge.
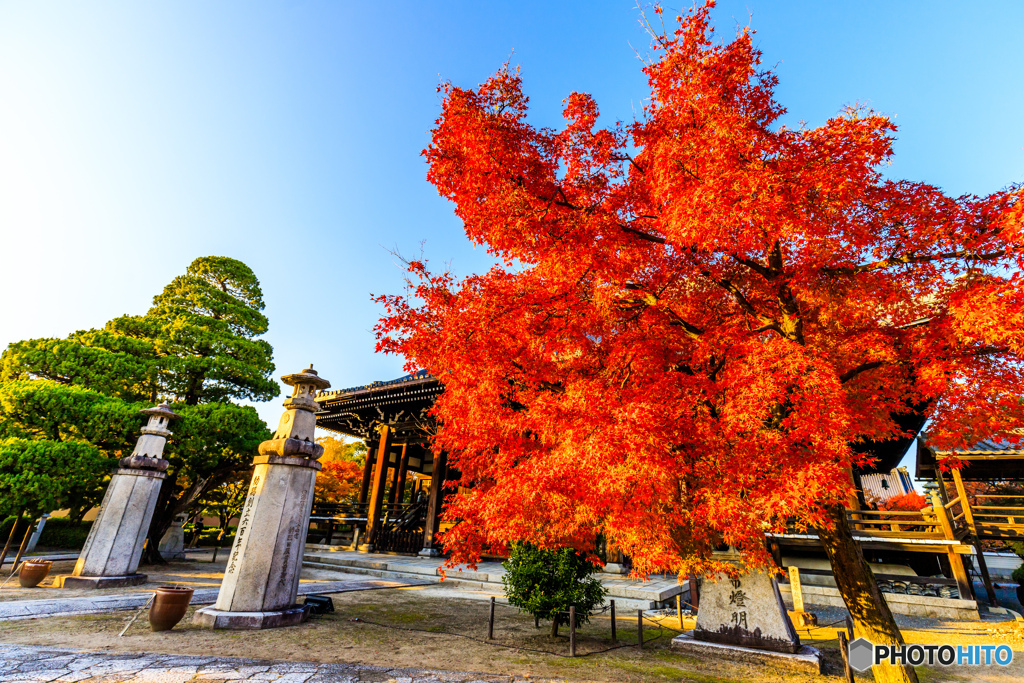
(487, 575)
(24, 664)
(51, 607)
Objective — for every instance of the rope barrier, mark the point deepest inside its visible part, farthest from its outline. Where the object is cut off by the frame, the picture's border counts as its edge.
(661, 632)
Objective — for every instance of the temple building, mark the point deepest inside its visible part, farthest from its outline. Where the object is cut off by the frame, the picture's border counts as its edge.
(392, 418)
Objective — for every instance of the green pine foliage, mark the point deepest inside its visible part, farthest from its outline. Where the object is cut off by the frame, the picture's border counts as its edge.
(545, 583)
(38, 476)
(196, 348)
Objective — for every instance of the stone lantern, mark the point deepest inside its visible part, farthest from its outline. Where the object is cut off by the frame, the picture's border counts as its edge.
(114, 546)
(261, 581)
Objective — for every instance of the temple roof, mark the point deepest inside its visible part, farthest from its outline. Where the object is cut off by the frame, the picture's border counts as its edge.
(986, 460)
(402, 403)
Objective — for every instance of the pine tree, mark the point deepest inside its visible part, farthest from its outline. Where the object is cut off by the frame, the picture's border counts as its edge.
(197, 348)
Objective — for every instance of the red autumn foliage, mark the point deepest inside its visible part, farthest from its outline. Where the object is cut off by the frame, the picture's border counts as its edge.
(338, 481)
(696, 314)
(908, 502)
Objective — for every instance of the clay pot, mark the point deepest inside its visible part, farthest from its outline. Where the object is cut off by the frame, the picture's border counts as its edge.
(32, 573)
(169, 606)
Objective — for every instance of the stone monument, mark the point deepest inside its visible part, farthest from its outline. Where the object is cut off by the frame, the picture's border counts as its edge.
(744, 618)
(261, 581)
(172, 543)
(113, 548)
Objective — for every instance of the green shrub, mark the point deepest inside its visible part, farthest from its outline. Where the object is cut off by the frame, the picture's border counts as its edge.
(61, 532)
(545, 583)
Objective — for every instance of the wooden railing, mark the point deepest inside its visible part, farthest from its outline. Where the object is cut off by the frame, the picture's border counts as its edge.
(900, 523)
(997, 521)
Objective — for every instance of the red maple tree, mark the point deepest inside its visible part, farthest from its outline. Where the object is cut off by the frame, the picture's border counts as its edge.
(696, 315)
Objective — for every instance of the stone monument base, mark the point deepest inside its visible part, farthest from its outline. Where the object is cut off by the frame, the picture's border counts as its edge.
(208, 617)
(807, 659)
(803, 618)
(614, 568)
(69, 581)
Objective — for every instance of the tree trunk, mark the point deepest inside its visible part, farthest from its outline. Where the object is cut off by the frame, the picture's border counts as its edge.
(871, 616)
(163, 517)
(554, 627)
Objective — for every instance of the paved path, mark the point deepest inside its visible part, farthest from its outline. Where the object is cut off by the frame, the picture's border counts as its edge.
(22, 664)
(51, 607)
(487, 575)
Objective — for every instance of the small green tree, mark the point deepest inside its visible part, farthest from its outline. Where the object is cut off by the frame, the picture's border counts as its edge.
(546, 583)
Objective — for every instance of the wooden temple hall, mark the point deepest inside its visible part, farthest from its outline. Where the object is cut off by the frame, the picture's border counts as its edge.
(391, 417)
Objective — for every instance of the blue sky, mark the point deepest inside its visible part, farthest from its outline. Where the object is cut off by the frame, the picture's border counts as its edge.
(135, 137)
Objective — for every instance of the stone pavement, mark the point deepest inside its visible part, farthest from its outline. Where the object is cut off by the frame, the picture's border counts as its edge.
(487, 575)
(27, 609)
(22, 664)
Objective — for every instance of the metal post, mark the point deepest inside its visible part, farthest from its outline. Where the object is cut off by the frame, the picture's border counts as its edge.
(844, 649)
(572, 629)
(640, 628)
(613, 619)
(490, 622)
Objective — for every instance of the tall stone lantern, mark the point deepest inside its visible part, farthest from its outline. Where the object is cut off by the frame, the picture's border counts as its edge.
(261, 581)
(113, 548)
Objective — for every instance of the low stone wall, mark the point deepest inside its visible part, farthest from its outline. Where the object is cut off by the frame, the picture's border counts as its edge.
(912, 605)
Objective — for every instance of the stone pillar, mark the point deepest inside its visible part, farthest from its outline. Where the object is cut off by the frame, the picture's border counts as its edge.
(34, 540)
(113, 548)
(172, 543)
(261, 581)
(435, 502)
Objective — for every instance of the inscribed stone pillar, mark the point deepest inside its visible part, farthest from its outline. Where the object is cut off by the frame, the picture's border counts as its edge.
(113, 548)
(261, 581)
(746, 611)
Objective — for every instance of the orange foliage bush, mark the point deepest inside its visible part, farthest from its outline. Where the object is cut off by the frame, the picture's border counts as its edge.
(338, 481)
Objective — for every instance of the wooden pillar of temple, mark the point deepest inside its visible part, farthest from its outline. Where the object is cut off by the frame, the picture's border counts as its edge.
(435, 502)
(395, 495)
(403, 466)
(965, 504)
(380, 470)
(367, 472)
(956, 563)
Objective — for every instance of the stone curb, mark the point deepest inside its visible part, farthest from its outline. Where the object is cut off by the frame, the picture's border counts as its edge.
(31, 609)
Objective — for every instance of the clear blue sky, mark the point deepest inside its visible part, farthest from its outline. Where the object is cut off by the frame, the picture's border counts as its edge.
(135, 137)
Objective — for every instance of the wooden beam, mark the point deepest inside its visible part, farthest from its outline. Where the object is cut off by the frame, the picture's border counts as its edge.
(380, 470)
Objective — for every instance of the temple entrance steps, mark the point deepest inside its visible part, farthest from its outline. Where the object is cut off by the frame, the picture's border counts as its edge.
(657, 592)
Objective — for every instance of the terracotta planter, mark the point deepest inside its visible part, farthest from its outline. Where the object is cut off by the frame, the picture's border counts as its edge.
(32, 573)
(169, 606)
